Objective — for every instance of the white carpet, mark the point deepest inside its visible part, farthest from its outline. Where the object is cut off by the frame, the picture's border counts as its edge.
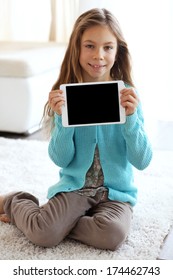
(25, 165)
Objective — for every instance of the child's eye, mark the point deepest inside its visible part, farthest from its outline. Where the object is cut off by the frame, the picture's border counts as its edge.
(89, 46)
(108, 48)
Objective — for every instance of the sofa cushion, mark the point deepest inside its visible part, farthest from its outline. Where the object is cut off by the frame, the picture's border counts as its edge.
(26, 59)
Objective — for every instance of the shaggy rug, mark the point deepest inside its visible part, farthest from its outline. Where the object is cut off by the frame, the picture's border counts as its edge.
(25, 165)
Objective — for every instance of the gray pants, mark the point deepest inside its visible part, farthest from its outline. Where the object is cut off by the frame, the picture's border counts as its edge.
(95, 221)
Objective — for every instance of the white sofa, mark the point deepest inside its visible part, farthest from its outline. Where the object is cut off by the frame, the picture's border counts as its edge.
(27, 72)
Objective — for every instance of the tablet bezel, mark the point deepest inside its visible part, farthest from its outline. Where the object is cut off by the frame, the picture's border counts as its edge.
(65, 118)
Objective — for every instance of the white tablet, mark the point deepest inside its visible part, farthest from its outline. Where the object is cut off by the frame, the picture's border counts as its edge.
(92, 104)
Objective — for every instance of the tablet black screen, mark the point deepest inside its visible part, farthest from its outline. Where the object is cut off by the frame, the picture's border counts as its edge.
(89, 104)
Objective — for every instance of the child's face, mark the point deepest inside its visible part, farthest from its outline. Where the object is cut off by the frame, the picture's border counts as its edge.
(97, 54)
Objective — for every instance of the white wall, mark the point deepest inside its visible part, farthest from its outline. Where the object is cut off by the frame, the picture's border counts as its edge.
(25, 20)
(147, 26)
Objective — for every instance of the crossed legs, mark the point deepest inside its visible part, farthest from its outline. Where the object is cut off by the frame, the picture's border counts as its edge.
(102, 224)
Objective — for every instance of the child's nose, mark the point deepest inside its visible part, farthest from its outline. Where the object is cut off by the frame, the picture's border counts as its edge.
(98, 54)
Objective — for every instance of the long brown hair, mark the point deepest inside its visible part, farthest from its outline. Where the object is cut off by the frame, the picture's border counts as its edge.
(70, 71)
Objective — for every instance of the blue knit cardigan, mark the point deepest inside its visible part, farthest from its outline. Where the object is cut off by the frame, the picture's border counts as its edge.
(121, 146)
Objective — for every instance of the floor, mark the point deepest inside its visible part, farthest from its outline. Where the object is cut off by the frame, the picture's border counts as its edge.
(167, 247)
(38, 135)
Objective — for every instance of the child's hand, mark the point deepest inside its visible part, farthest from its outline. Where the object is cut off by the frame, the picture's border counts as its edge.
(56, 100)
(129, 100)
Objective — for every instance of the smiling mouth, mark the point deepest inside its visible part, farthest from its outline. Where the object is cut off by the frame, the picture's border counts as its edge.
(96, 66)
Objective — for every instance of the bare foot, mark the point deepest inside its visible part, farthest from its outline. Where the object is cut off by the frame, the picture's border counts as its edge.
(1, 204)
(4, 218)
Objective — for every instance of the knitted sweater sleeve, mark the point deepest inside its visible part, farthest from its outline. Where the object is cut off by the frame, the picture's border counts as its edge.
(139, 151)
(61, 146)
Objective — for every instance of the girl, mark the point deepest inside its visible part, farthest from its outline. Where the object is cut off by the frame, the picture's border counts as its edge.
(94, 198)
